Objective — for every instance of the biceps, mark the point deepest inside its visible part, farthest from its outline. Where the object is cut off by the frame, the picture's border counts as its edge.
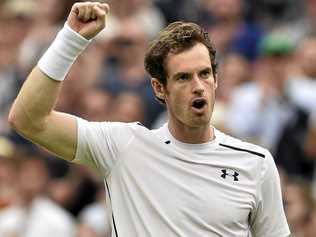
(59, 135)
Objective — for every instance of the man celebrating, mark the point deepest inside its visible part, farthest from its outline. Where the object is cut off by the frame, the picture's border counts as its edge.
(184, 179)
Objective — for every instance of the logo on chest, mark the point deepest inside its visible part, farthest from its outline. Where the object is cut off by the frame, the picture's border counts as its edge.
(230, 173)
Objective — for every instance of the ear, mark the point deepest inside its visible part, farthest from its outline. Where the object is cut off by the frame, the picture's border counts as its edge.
(215, 81)
(158, 88)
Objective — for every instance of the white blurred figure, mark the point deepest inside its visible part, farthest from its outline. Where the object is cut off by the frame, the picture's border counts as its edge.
(36, 215)
(95, 220)
(302, 87)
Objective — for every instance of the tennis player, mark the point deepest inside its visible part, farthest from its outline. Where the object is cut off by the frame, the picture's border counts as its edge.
(184, 179)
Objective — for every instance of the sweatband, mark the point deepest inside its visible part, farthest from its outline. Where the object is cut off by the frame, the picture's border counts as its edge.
(62, 53)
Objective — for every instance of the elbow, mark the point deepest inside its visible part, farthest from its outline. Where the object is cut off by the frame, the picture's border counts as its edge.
(24, 124)
(20, 123)
(17, 125)
(15, 122)
(12, 119)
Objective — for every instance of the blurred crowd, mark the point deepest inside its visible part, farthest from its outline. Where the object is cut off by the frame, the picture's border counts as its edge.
(266, 51)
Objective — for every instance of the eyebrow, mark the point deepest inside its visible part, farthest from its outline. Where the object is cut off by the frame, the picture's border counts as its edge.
(180, 74)
(189, 73)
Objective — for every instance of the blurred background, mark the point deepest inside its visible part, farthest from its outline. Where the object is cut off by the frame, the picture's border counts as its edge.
(266, 51)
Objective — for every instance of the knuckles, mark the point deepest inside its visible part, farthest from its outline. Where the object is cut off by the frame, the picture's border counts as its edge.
(85, 12)
(91, 10)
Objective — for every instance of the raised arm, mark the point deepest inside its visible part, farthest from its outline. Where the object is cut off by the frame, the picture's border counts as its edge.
(32, 113)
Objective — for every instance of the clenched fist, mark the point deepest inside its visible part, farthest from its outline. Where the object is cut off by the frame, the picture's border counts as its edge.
(88, 18)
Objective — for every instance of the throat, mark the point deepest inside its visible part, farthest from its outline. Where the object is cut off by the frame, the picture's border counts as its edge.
(191, 135)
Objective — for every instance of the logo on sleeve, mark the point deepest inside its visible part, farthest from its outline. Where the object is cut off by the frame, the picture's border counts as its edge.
(230, 173)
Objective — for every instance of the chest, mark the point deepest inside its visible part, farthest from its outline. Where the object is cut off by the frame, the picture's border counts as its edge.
(208, 189)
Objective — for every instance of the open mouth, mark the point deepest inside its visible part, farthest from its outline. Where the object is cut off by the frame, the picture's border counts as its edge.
(198, 103)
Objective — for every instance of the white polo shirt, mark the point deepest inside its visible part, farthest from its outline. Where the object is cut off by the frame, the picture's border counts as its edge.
(158, 186)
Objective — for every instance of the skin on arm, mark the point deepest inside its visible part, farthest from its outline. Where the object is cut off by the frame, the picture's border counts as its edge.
(32, 113)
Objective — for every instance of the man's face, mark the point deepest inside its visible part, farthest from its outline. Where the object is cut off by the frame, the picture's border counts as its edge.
(190, 90)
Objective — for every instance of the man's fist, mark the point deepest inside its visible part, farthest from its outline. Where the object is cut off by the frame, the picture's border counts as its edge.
(88, 18)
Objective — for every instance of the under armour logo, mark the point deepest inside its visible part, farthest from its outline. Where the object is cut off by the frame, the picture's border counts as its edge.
(229, 173)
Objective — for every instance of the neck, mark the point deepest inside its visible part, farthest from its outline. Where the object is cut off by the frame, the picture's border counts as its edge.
(27, 201)
(193, 135)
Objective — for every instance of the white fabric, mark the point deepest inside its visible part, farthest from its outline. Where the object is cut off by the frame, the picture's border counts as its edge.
(62, 53)
(95, 217)
(177, 189)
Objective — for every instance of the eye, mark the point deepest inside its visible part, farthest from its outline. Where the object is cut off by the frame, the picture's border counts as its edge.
(183, 77)
(205, 73)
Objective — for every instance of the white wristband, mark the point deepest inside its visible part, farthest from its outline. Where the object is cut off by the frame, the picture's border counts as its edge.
(62, 53)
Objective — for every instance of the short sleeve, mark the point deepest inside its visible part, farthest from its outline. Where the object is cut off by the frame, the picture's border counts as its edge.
(100, 143)
(269, 218)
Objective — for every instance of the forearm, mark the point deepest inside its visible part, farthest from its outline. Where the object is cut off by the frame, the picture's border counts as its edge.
(34, 102)
(32, 113)
(39, 93)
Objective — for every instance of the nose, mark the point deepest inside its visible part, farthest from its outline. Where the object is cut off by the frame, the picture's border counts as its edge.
(197, 86)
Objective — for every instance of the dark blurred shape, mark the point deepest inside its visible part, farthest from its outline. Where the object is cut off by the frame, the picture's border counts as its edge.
(290, 153)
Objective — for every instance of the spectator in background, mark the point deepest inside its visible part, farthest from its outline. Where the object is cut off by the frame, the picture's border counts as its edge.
(47, 17)
(235, 70)
(302, 24)
(35, 215)
(292, 153)
(309, 147)
(310, 141)
(96, 104)
(128, 107)
(276, 13)
(298, 205)
(9, 193)
(188, 10)
(302, 86)
(14, 24)
(83, 77)
(144, 12)
(229, 30)
(264, 99)
(94, 219)
(310, 227)
(41, 216)
(124, 67)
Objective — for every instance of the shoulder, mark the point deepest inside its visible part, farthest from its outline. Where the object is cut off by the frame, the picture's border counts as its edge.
(108, 126)
(227, 142)
(256, 160)
(249, 154)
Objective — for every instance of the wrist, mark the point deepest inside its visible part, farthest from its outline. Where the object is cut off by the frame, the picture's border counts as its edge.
(62, 53)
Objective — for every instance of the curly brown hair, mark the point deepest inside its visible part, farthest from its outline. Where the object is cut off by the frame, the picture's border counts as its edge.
(175, 38)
